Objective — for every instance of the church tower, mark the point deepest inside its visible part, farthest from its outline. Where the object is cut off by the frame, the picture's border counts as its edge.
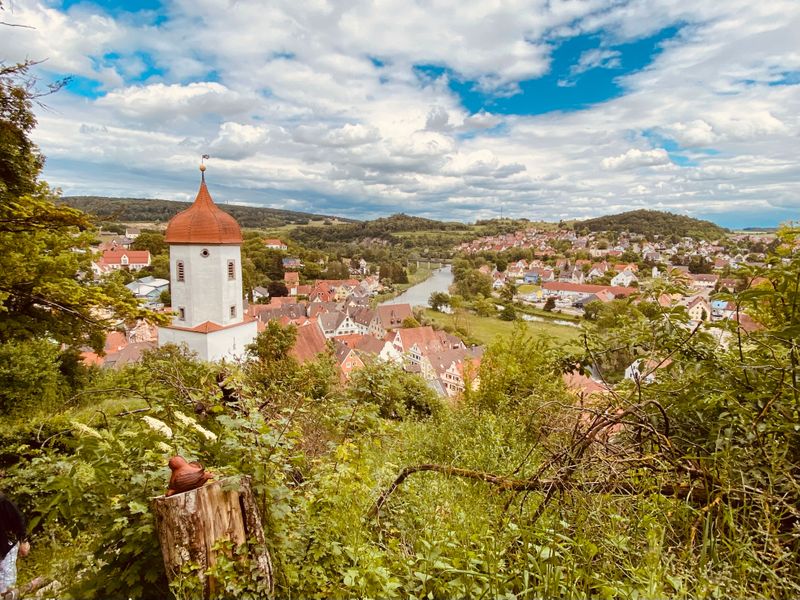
(205, 266)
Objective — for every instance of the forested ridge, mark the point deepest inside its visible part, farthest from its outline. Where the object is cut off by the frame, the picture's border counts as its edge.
(160, 211)
(652, 223)
(686, 486)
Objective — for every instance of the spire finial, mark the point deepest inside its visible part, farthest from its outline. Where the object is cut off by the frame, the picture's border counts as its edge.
(203, 166)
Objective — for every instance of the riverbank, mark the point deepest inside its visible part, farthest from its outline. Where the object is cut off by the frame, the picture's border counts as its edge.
(417, 294)
(421, 275)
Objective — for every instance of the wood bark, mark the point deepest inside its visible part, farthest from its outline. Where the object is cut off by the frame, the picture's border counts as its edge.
(189, 525)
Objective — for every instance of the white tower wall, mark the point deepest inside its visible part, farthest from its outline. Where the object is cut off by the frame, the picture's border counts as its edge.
(206, 292)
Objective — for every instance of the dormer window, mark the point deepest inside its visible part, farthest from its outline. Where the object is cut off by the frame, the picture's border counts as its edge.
(124, 259)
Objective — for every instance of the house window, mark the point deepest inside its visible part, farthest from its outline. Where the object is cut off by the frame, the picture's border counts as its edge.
(182, 313)
(180, 271)
(231, 269)
(233, 311)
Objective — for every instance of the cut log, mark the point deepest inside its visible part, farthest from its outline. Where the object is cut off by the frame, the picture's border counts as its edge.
(191, 523)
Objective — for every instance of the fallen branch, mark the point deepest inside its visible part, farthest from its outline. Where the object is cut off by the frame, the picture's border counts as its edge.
(687, 491)
(20, 592)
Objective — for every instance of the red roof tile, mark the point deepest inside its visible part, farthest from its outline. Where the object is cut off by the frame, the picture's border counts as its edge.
(203, 223)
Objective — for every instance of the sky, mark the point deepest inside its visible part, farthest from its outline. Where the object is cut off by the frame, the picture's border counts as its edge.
(448, 109)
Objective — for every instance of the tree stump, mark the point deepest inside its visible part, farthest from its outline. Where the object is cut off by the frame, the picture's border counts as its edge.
(189, 525)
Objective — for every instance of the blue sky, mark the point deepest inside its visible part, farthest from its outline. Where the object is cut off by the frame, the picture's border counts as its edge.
(445, 109)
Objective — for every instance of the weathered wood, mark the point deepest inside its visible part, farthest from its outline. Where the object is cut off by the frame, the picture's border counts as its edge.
(189, 524)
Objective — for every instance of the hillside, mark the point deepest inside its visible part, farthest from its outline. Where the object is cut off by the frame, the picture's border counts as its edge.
(654, 222)
(394, 230)
(137, 210)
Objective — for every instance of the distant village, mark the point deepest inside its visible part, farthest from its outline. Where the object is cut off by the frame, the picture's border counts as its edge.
(562, 271)
(575, 270)
(330, 315)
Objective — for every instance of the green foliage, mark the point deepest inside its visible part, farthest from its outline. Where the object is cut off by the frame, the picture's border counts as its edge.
(437, 300)
(409, 322)
(30, 379)
(508, 291)
(651, 223)
(273, 344)
(46, 291)
(161, 211)
(549, 304)
(336, 270)
(516, 371)
(469, 282)
(152, 241)
(397, 394)
(484, 307)
(508, 313)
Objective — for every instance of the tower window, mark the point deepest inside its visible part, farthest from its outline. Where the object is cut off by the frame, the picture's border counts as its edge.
(204, 253)
(233, 311)
(182, 313)
(181, 275)
(231, 269)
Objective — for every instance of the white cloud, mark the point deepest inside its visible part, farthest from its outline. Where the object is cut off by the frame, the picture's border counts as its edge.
(596, 57)
(162, 102)
(634, 158)
(286, 98)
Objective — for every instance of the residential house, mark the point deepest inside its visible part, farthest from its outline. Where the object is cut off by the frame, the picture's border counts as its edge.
(573, 291)
(260, 293)
(381, 349)
(624, 279)
(704, 280)
(336, 323)
(292, 281)
(148, 289)
(347, 359)
(116, 259)
(309, 343)
(699, 309)
(274, 244)
(291, 262)
(388, 317)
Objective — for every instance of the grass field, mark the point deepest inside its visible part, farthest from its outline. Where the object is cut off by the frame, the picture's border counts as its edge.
(487, 329)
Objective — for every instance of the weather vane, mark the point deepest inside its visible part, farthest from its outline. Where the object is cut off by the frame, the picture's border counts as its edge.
(203, 158)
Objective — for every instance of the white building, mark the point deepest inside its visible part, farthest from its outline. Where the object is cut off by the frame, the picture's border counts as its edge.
(206, 282)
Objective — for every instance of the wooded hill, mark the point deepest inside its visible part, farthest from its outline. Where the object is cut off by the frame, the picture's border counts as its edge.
(651, 223)
(379, 228)
(137, 210)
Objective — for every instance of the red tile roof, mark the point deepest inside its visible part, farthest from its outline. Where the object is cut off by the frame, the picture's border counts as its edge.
(210, 326)
(135, 257)
(310, 342)
(203, 223)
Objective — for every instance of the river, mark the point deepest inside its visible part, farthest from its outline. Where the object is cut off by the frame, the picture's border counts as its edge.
(418, 295)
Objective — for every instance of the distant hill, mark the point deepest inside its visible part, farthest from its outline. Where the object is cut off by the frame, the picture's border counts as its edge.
(654, 222)
(138, 210)
(382, 228)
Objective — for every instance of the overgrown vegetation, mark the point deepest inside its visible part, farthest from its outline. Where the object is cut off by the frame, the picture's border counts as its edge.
(681, 487)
